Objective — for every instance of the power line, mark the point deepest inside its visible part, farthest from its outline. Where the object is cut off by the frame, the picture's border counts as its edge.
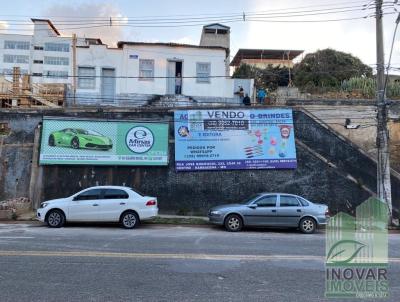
(251, 17)
(124, 20)
(187, 77)
(106, 18)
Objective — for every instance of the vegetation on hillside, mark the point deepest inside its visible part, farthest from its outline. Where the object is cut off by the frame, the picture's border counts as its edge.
(321, 72)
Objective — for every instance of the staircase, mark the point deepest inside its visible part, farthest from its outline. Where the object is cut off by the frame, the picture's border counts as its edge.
(173, 101)
(342, 155)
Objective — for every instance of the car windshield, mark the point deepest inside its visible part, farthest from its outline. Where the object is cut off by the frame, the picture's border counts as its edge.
(88, 132)
(249, 199)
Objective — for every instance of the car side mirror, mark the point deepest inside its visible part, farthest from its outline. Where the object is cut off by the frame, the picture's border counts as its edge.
(75, 198)
(252, 206)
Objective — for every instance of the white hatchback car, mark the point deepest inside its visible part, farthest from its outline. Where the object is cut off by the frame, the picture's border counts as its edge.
(101, 203)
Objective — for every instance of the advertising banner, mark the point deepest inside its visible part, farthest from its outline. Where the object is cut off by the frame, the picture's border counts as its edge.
(91, 142)
(234, 139)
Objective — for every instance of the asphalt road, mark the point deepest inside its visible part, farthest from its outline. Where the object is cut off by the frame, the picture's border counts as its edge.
(165, 263)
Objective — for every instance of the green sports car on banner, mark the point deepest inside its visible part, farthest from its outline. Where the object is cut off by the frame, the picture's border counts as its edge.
(80, 139)
(76, 141)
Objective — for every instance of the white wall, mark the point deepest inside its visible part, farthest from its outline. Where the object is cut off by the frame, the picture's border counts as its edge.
(42, 34)
(43, 68)
(3, 51)
(218, 87)
(126, 63)
(99, 56)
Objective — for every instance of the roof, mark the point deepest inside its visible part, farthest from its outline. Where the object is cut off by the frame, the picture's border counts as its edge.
(277, 54)
(216, 25)
(48, 22)
(96, 41)
(121, 43)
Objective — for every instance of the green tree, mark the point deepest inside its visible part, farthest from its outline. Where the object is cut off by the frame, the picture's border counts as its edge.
(268, 78)
(328, 68)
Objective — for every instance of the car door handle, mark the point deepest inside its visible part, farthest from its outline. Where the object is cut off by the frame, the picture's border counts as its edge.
(298, 210)
(273, 211)
(122, 203)
(95, 204)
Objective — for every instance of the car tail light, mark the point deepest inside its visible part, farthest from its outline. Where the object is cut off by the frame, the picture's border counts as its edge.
(327, 214)
(151, 203)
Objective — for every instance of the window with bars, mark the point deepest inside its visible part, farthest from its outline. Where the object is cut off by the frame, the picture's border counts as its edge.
(203, 71)
(16, 59)
(146, 70)
(86, 77)
(17, 44)
(56, 60)
(63, 47)
(56, 74)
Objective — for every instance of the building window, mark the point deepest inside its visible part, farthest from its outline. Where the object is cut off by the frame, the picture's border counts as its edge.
(203, 71)
(210, 30)
(16, 59)
(37, 61)
(146, 70)
(56, 60)
(56, 74)
(86, 77)
(9, 71)
(38, 47)
(37, 74)
(64, 47)
(16, 45)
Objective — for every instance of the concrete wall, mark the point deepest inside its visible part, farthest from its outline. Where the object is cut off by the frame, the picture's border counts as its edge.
(330, 169)
(361, 112)
(16, 151)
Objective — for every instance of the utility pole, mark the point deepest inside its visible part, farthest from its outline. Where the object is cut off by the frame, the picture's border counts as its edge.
(74, 67)
(384, 190)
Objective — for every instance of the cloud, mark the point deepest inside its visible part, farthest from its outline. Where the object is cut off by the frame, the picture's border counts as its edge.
(87, 18)
(3, 25)
(356, 36)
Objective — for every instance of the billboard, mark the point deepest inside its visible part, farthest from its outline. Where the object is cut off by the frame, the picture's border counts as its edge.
(92, 142)
(234, 139)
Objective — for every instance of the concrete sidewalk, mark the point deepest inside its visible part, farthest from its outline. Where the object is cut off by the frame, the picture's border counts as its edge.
(29, 217)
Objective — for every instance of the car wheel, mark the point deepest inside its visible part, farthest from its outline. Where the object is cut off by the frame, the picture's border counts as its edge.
(52, 142)
(129, 220)
(307, 225)
(233, 223)
(55, 219)
(75, 143)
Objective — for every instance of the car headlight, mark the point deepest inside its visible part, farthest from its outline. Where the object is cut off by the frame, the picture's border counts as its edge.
(44, 204)
(215, 213)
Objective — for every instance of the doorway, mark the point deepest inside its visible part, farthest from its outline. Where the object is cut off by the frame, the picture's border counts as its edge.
(108, 84)
(174, 77)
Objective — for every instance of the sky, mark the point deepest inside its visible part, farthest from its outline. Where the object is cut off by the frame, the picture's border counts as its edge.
(352, 36)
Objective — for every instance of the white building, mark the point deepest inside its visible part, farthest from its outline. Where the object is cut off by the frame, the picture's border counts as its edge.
(45, 55)
(132, 74)
(136, 72)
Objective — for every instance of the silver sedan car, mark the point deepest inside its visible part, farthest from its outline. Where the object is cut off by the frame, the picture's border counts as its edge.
(271, 210)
